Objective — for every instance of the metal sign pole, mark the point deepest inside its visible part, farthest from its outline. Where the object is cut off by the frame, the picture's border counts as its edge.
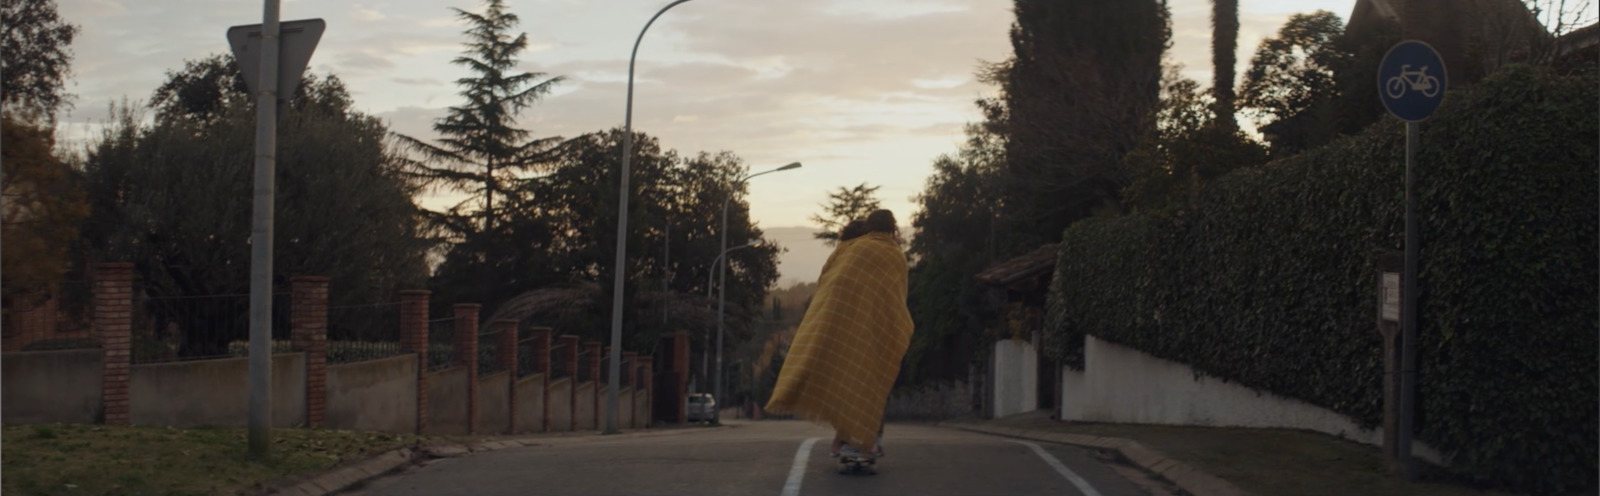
(1411, 84)
(1408, 293)
(261, 238)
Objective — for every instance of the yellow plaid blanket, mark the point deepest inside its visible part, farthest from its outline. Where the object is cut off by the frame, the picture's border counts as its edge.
(847, 352)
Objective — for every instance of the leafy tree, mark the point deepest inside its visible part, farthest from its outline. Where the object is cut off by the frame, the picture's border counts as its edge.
(37, 61)
(955, 240)
(576, 204)
(483, 150)
(173, 197)
(1558, 18)
(1190, 146)
(1079, 91)
(42, 204)
(843, 206)
(1224, 41)
(1291, 86)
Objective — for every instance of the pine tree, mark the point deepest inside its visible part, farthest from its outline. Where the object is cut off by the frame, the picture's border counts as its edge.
(482, 149)
(843, 206)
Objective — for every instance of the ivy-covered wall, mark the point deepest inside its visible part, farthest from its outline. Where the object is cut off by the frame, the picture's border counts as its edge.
(1270, 279)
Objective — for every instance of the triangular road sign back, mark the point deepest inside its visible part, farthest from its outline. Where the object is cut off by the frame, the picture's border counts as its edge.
(297, 39)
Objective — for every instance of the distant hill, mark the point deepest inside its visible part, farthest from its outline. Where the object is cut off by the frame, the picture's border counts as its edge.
(806, 254)
(803, 260)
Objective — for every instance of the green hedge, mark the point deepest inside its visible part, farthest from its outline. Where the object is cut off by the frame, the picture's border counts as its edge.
(1270, 279)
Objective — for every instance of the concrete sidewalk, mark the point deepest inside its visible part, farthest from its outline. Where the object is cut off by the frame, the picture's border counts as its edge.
(1186, 477)
(346, 476)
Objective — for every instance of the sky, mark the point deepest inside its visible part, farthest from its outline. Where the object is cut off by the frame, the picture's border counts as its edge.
(856, 90)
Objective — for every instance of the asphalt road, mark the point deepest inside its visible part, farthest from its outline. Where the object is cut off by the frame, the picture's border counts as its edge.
(780, 458)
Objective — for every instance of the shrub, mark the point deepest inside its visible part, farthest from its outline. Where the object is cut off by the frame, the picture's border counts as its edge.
(1270, 280)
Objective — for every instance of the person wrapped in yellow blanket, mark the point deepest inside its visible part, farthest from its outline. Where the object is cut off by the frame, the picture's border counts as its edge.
(846, 354)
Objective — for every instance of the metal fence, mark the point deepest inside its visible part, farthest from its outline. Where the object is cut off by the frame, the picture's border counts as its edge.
(441, 343)
(489, 353)
(62, 320)
(558, 361)
(75, 310)
(179, 328)
(363, 332)
(583, 366)
(527, 363)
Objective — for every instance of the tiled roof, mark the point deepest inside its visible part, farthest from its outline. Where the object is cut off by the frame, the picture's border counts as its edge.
(1037, 261)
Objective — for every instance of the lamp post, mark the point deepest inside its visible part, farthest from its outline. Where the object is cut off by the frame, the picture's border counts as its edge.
(722, 278)
(615, 367)
(705, 357)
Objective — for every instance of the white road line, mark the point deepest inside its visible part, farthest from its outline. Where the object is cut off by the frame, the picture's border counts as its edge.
(798, 471)
(1061, 468)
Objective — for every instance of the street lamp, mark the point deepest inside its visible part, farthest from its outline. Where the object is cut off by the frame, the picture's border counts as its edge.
(615, 368)
(722, 279)
(705, 357)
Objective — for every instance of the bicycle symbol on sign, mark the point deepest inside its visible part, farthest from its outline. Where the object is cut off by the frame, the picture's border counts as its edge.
(1418, 80)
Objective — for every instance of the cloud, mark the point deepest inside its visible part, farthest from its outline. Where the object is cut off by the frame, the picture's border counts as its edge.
(418, 81)
(416, 122)
(363, 60)
(368, 15)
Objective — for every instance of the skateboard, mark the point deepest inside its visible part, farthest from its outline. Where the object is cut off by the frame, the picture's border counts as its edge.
(858, 465)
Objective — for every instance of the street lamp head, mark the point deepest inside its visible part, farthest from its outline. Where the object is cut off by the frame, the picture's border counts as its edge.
(795, 165)
(756, 242)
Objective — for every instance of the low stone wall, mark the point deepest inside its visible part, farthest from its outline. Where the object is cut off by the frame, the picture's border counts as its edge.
(530, 404)
(583, 410)
(641, 408)
(447, 401)
(948, 401)
(625, 409)
(374, 395)
(1124, 385)
(494, 403)
(214, 392)
(51, 386)
(558, 404)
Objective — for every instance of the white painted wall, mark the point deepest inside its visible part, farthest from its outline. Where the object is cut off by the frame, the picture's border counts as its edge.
(1074, 393)
(1124, 385)
(1016, 375)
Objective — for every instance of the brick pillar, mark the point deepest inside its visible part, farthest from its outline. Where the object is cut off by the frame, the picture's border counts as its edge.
(541, 366)
(648, 371)
(629, 358)
(680, 364)
(113, 324)
(507, 354)
(569, 350)
(414, 339)
(308, 322)
(541, 350)
(600, 380)
(466, 355)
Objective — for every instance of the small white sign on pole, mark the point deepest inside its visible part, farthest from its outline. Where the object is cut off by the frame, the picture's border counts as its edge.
(1391, 297)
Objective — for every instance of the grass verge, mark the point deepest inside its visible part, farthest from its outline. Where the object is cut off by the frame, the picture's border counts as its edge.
(75, 459)
(1268, 461)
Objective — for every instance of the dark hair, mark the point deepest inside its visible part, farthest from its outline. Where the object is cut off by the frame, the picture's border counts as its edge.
(855, 229)
(882, 221)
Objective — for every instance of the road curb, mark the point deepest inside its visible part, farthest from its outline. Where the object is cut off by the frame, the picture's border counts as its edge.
(340, 479)
(1185, 476)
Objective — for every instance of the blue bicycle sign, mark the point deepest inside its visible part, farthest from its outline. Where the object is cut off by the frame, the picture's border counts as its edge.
(1418, 80)
(1412, 80)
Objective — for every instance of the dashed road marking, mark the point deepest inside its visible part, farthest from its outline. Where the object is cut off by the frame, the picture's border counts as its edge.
(798, 471)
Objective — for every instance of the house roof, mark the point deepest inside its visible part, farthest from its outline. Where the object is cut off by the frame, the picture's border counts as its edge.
(1040, 260)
